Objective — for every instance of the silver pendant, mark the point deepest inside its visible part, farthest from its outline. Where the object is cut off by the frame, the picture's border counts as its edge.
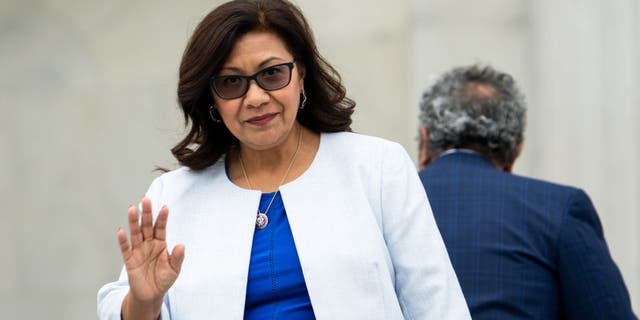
(261, 221)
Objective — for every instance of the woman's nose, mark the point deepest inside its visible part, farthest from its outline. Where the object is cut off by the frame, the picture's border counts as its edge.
(256, 96)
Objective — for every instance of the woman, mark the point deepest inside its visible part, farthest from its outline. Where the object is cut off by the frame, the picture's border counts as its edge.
(279, 211)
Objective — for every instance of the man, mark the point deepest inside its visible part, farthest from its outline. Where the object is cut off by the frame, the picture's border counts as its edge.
(522, 248)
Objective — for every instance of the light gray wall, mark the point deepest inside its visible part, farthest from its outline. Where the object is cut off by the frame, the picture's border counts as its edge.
(369, 43)
(586, 98)
(87, 109)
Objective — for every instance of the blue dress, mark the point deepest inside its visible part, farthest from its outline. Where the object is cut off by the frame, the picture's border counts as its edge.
(276, 287)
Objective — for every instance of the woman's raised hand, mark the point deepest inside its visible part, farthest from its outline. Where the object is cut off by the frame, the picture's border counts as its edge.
(151, 270)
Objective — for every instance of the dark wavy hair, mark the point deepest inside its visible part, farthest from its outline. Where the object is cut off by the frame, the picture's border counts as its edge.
(327, 109)
(474, 107)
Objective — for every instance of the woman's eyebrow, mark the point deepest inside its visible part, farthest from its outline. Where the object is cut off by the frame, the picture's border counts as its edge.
(262, 64)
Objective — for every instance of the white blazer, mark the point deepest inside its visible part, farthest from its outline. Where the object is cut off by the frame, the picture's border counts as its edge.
(365, 234)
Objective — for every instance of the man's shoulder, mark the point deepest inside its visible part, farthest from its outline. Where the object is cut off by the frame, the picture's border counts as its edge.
(479, 173)
(549, 186)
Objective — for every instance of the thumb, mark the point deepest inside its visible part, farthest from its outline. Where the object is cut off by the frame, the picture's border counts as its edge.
(176, 258)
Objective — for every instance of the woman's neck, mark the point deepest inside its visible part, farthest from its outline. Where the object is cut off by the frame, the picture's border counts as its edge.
(266, 170)
(273, 158)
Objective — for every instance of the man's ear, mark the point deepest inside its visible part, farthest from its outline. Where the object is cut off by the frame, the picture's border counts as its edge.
(424, 156)
(509, 167)
(519, 149)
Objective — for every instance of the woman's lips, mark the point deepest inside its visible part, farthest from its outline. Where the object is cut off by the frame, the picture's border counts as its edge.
(262, 120)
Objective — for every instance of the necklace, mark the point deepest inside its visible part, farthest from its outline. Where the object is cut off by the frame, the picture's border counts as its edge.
(262, 220)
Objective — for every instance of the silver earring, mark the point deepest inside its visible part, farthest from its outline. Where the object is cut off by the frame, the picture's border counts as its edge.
(304, 100)
(212, 112)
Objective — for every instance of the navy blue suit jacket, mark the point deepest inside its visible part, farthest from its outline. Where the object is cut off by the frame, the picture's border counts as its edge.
(523, 248)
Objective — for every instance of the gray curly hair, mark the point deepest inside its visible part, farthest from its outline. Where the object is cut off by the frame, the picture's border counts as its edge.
(474, 107)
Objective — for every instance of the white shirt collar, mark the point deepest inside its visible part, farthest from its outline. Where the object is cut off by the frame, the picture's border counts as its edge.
(452, 151)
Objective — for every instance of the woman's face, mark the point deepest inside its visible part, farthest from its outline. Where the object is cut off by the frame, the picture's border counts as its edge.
(260, 119)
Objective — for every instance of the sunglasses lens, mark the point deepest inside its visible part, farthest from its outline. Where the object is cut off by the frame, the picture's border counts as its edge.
(275, 77)
(230, 87)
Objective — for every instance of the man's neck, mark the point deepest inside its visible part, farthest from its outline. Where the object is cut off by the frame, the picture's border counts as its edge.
(506, 168)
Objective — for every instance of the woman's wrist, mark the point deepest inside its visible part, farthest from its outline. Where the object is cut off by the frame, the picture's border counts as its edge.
(133, 308)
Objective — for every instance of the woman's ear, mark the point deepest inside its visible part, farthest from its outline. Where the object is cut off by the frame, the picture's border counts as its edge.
(302, 72)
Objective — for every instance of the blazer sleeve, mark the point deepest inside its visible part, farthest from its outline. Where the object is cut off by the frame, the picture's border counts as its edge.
(111, 295)
(591, 284)
(426, 285)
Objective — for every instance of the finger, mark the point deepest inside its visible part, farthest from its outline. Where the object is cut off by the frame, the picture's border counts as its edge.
(176, 258)
(124, 244)
(134, 227)
(160, 227)
(147, 219)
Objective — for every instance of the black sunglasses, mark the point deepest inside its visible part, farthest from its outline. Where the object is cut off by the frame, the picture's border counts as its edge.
(235, 86)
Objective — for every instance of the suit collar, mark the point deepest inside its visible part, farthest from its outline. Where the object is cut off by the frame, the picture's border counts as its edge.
(464, 156)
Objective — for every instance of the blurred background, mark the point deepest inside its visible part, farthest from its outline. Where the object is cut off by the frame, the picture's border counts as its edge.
(88, 109)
